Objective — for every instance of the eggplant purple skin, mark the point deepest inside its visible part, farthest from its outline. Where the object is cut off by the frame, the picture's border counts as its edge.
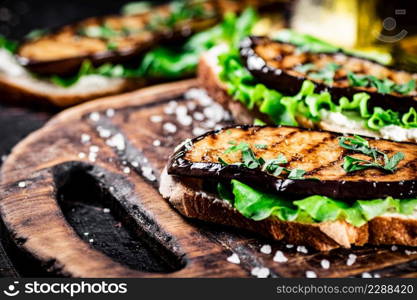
(70, 66)
(296, 189)
(280, 80)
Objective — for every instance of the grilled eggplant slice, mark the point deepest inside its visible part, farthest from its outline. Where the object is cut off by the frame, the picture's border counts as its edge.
(284, 67)
(113, 39)
(316, 152)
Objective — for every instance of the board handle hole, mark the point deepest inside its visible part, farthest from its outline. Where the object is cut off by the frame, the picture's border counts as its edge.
(101, 220)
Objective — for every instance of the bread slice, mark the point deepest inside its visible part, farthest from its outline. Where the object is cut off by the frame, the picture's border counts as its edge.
(208, 75)
(17, 85)
(186, 195)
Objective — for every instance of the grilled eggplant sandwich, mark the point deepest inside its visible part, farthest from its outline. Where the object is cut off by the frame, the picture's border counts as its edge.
(322, 87)
(301, 186)
(108, 55)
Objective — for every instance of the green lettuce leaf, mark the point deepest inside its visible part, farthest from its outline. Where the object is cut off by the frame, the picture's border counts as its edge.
(258, 205)
(7, 44)
(174, 62)
(285, 110)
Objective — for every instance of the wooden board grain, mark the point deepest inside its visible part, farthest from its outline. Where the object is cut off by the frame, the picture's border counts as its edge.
(122, 143)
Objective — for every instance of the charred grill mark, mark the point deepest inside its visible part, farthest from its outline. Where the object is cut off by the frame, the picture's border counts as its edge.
(309, 151)
(328, 165)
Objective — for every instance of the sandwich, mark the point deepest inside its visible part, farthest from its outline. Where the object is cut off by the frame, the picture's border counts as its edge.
(107, 55)
(298, 80)
(300, 186)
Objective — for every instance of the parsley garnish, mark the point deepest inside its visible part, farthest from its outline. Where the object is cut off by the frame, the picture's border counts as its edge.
(360, 145)
(383, 86)
(273, 166)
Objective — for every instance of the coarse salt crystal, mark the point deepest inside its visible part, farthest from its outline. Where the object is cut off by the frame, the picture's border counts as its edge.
(156, 119)
(110, 112)
(156, 143)
(351, 259)
(103, 132)
(91, 240)
(289, 246)
(185, 120)
(311, 274)
(266, 249)
(81, 155)
(147, 172)
(95, 116)
(366, 275)
(21, 184)
(198, 131)
(198, 116)
(85, 138)
(302, 249)
(126, 170)
(106, 210)
(117, 141)
(325, 264)
(280, 257)
(94, 149)
(169, 127)
(394, 248)
(260, 272)
(234, 259)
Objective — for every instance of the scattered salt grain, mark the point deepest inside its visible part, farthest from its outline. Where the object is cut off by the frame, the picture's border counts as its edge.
(198, 131)
(169, 127)
(325, 264)
(409, 252)
(103, 132)
(185, 120)
(289, 246)
(110, 112)
(366, 275)
(234, 259)
(86, 233)
(198, 116)
(85, 138)
(280, 257)
(191, 105)
(302, 249)
(94, 116)
(394, 248)
(106, 210)
(81, 155)
(156, 143)
(126, 170)
(117, 141)
(311, 274)
(266, 249)
(147, 172)
(91, 240)
(170, 108)
(156, 119)
(94, 149)
(260, 272)
(21, 184)
(351, 259)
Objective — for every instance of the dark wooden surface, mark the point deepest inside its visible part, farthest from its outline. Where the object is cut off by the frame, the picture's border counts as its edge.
(15, 124)
(65, 197)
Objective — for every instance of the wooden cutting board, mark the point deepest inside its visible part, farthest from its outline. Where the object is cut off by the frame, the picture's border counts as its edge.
(117, 147)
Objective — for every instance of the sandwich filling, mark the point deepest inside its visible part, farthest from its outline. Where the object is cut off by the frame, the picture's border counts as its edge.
(315, 177)
(169, 62)
(311, 108)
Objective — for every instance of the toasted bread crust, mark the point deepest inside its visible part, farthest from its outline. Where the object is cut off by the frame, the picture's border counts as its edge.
(15, 91)
(185, 195)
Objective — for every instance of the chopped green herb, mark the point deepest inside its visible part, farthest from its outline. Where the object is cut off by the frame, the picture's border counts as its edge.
(360, 145)
(383, 86)
(273, 166)
(326, 74)
(261, 146)
(134, 8)
(296, 174)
